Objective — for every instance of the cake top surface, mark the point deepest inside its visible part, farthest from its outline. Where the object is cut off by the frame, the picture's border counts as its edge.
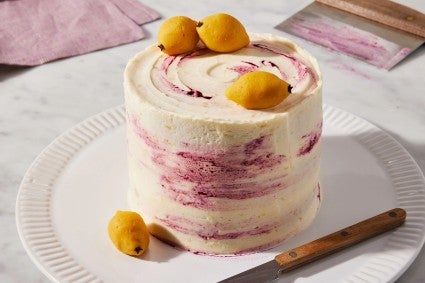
(194, 84)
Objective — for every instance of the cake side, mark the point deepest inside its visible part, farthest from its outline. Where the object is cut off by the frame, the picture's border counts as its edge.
(209, 175)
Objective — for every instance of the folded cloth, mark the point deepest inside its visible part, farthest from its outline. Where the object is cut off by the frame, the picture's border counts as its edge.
(34, 32)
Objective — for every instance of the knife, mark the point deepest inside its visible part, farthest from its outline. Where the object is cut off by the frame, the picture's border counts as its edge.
(322, 247)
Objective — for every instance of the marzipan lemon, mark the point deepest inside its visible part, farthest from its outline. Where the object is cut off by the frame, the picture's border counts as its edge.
(258, 90)
(178, 35)
(129, 233)
(222, 33)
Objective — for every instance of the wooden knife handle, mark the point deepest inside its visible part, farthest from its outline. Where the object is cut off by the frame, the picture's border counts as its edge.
(385, 12)
(341, 239)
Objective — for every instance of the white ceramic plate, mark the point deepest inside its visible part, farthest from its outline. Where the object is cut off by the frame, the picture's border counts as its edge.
(78, 182)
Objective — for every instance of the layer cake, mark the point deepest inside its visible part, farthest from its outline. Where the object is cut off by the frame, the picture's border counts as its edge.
(209, 175)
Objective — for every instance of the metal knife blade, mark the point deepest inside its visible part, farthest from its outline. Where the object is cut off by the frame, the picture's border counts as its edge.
(322, 247)
(265, 272)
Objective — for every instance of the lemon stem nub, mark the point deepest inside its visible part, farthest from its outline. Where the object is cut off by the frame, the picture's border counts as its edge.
(199, 24)
(290, 88)
(138, 249)
(161, 47)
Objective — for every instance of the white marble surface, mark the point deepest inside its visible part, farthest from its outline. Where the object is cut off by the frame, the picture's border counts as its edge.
(37, 104)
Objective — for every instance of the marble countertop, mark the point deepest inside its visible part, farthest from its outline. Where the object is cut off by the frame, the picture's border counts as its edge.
(37, 104)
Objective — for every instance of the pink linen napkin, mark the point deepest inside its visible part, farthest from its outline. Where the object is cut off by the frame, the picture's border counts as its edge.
(34, 32)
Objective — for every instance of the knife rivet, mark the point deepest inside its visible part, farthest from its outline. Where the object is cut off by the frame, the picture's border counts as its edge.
(344, 233)
(293, 254)
(392, 214)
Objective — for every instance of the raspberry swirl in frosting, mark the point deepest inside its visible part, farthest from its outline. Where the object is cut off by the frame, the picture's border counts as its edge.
(195, 83)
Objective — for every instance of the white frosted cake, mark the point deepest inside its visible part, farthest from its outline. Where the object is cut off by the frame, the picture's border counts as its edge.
(209, 175)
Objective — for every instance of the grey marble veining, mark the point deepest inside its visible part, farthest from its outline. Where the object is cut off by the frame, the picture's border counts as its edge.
(37, 104)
